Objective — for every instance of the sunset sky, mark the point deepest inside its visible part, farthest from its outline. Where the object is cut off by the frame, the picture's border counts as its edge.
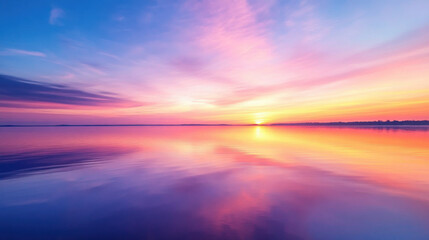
(218, 61)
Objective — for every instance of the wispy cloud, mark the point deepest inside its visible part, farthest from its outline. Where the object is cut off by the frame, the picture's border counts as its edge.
(55, 16)
(22, 93)
(12, 52)
(110, 55)
(93, 68)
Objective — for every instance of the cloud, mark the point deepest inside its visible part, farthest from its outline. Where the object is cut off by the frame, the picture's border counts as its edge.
(231, 30)
(20, 93)
(188, 64)
(407, 50)
(55, 16)
(12, 52)
(304, 21)
(93, 68)
(110, 55)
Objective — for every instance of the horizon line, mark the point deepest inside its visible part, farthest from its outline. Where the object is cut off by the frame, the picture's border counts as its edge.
(337, 123)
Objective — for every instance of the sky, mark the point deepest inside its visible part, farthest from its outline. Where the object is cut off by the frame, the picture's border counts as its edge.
(217, 61)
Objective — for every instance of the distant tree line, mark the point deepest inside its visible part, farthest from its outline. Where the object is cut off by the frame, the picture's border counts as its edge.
(360, 123)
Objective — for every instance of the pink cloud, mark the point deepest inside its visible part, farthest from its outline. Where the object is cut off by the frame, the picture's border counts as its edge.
(230, 30)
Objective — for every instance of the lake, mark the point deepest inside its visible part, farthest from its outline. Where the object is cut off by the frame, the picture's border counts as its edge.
(214, 182)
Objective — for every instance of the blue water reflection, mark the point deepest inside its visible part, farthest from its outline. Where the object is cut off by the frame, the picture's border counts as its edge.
(214, 183)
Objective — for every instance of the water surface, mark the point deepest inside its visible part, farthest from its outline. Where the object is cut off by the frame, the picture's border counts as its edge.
(214, 183)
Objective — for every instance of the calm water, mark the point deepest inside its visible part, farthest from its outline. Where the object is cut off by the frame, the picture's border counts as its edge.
(214, 183)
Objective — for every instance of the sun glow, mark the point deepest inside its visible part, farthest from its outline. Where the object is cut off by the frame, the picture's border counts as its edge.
(259, 122)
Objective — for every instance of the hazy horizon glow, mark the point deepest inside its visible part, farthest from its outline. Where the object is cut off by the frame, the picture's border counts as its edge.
(225, 61)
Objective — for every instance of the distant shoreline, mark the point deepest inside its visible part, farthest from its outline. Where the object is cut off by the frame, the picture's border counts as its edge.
(407, 123)
(359, 123)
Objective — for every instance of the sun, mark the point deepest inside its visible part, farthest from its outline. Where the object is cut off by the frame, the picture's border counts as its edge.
(259, 122)
(259, 118)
